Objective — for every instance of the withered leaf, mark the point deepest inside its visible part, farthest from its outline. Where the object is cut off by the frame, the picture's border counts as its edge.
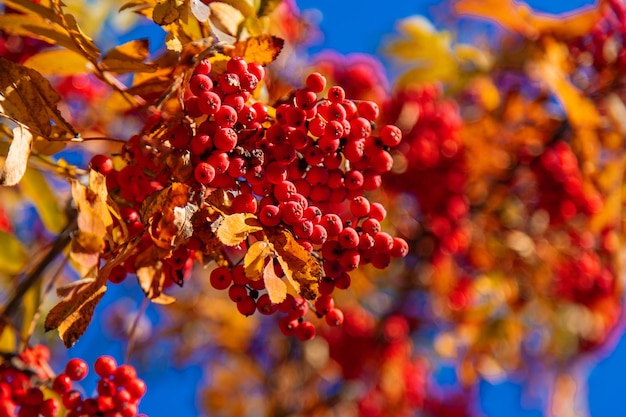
(262, 49)
(22, 90)
(173, 212)
(151, 277)
(73, 314)
(254, 260)
(17, 158)
(276, 287)
(299, 265)
(85, 249)
(234, 228)
(91, 202)
(67, 290)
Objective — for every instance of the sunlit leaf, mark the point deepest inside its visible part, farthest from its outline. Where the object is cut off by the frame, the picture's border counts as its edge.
(151, 277)
(262, 49)
(275, 286)
(235, 228)
(266, 7)
(225, 17)
(91, 203)
(17, 159)
(58, 62)
(30, 306)
(22, 90)
(299, 265)
(254, 260)
(128, 57)
(199, 10)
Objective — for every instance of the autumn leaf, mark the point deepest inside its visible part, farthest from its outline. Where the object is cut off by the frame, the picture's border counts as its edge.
(266, 7)
(128, 57)
(58, 62)
(262, 49)
(92, 206)
(171, 210)
(275, 286)
(22, 90)
(254, 260)
(234, 229)
(151, 277)
(16, 160)
(72, 315)
(225, 17)
(301, 268)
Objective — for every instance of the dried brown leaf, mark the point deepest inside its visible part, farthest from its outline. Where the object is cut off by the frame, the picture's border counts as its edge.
(151, 277)
(22, 90)
(92, 206)
(225, 17)
(165, 12)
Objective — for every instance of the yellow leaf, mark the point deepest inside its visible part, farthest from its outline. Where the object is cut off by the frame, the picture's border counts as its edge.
(91, 203)
(30, 306)
(254, 260)
(225, 18)
(22, 90)
(276, 288)
(85, 250)
(245, 7)
(58, 62)
(85, 43)
(30, 7)
(234, 228)
(12, 254)
(36, 188)
(299, 265)
(128, 57)
(8, 339)
(267, 6)
(17, 159)
(262, 49)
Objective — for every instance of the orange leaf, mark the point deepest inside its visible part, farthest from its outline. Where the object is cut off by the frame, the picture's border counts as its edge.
(128, 57)
(254, 260)
(91, 202)
(276, 288)
(262, 49)
(151, 276)
(302, 270)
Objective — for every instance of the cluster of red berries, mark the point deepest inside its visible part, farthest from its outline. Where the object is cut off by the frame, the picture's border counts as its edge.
(118, 390)
(25, 383)
(301, 169)
(432, 165)
(560, 185)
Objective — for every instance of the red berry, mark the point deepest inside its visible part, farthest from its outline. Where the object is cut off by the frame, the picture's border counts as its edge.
(305, 331)
(315, 82)
(102, 164)
(199, 83)
(62, 384)
(221, 278)
(76, 369)
(334, 317)
(204, 173)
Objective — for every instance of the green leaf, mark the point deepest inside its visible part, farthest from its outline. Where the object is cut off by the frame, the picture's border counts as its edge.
(37, 189)
(13, 256)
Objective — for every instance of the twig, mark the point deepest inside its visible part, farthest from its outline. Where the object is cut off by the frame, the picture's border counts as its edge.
(133, 328)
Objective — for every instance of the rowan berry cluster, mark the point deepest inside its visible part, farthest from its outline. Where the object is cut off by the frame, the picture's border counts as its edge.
(26, 383)
(560, 185)
(118, 390)
(433, 166)
(302, 168)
